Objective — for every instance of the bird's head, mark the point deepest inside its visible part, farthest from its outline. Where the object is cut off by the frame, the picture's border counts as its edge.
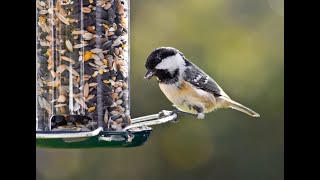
(166, 63)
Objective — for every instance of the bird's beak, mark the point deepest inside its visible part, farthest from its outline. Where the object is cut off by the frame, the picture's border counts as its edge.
(149, 74)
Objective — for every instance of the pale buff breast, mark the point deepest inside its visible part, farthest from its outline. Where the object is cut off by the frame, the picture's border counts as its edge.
(187, 96)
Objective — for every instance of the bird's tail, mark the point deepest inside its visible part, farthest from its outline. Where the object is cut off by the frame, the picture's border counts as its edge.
(237, 106)
(242, 108)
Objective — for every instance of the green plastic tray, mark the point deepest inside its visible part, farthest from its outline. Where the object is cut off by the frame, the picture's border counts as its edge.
(103, 139)
(133, 135)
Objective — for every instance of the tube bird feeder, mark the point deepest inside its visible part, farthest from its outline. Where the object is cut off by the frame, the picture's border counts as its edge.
(82, 75)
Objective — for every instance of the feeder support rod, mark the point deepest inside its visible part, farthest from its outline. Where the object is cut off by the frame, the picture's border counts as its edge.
(152, 120)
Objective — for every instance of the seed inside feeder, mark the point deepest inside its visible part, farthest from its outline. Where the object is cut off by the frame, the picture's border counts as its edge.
(80, 47)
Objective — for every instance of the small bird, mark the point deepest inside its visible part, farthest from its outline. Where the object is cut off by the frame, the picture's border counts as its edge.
(189, 88)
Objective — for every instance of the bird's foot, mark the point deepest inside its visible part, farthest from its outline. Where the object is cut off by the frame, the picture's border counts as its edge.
(198, 115)
(178, 112)
(165, 113)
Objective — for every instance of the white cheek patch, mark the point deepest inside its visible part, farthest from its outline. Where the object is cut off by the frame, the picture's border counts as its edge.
(172, 63)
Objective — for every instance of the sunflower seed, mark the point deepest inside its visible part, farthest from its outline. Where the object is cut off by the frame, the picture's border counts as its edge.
(61, 68)
(74, 72)
(69, 45)
(63, 12)
(78, 32)
(77, 46)
(86, 10)
(98, 62)
(60, 105)
(81, 102)
(67, 59)
(42, 3)
(86, 90)
(43, 12)
(91, 96)
(87, 36)
(62, 18)
(54, 83)
(61, 98)
(43, 43)
(96, 50)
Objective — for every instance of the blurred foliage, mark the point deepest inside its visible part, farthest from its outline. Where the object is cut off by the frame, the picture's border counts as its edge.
(240, 44)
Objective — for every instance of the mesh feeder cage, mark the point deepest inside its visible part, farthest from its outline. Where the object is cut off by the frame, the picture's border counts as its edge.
(82, 63)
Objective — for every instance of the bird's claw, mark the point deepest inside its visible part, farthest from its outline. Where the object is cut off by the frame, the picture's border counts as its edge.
(164, 113)
(200, 115)
(179, 113)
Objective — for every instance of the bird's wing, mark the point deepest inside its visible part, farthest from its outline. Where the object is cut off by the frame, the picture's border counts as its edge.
(201, 80)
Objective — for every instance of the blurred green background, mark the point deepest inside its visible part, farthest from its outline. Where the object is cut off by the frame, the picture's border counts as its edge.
(240, 44)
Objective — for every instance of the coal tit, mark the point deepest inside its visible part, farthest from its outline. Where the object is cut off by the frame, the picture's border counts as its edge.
(189, 88)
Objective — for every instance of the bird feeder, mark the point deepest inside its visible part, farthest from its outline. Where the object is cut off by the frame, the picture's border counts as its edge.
(82, 74)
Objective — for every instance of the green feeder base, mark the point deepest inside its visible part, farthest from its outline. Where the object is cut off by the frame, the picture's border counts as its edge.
(133, 135)
(103, 139)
